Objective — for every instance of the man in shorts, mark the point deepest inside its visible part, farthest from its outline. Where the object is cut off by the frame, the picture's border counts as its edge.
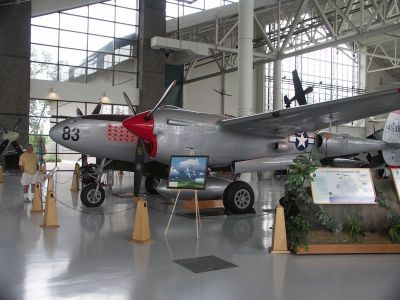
(28, 163)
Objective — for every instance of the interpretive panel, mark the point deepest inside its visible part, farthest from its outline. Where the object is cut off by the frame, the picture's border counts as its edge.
(188, 172)
(396, 180)
(342, 186)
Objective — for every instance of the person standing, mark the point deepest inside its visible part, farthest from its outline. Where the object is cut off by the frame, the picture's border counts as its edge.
(28, 164)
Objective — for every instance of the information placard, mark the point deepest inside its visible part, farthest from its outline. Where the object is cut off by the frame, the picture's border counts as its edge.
(396, 180)
(342, 186)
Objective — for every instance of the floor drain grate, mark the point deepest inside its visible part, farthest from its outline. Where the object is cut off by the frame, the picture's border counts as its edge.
(204, 264)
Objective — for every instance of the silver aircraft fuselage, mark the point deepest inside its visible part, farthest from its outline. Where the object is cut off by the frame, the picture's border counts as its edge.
(102, 136)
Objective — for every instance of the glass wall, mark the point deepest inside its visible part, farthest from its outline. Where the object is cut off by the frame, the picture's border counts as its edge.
(93, 43)
(43, 114)
(175, 8)
(333, 72)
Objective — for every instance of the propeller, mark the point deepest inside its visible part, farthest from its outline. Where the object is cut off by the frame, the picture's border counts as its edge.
(148, 116)
(129, 103)
(97, 109)
(10, 137)
(139, 165)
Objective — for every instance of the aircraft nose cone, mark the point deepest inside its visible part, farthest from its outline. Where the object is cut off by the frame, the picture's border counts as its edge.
(55, 133)
(140, 127)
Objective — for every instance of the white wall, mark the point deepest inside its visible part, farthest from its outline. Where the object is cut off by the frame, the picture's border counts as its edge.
(80, 92)
(200, 96)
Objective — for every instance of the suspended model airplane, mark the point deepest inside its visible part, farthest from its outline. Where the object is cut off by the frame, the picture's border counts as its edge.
(266, 141)
(10, 138)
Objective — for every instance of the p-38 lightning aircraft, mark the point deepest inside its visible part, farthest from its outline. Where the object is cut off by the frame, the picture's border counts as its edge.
(266, 141)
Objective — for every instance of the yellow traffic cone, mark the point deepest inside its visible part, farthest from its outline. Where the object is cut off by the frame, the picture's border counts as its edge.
(75, 179)
(141, 228)
(279, 240)
(50, 212)
(37, 205)
(1, 175)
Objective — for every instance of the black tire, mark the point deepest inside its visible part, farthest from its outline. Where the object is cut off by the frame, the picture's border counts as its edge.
(238, 197)
(87, 195)
(151, 183)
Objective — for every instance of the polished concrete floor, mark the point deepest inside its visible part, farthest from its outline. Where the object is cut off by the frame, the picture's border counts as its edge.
(90, 257)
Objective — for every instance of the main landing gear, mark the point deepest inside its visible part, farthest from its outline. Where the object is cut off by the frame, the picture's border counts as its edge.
(238, 197)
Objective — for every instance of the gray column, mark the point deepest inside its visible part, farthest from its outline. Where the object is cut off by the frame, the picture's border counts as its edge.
(246, 14)
(362, 68)
(277, 104)
(15, 37)
(151, 81)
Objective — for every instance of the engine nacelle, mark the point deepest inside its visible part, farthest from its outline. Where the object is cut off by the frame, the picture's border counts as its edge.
(342, 144)
(281, 147)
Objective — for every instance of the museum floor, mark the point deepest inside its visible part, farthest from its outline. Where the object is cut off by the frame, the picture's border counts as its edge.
(90, 257)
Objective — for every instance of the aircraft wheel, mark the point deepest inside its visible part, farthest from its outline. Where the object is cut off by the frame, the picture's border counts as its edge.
(151, 183)
(238, 197)
(90, 198)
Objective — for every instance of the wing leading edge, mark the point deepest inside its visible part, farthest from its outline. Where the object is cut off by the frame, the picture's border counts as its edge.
(282, 123)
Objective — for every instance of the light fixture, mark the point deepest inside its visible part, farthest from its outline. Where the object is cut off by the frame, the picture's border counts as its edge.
(104, 98)
(52, 94)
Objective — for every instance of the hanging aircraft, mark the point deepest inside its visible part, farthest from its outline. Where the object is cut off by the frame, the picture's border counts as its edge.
(266, 141)
(9, 138)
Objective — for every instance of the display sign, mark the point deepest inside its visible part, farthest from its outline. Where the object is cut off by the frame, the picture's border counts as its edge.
(342, 186)
(396, 180)
(188, 172)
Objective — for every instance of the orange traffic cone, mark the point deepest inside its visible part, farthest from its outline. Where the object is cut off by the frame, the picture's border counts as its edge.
(1, 175)
(279, 240)
(37, 205)
(50, 212)
(141, 228)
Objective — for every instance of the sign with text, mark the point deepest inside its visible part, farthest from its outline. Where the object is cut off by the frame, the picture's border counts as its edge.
(342, 186)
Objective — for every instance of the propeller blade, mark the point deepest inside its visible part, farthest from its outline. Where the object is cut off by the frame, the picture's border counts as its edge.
(147, 117)
(16, 124)
(17, 147)
(139, 165)
(3, 146)
(129, 103)
(97, 109)
(5, 130)
(79, 112)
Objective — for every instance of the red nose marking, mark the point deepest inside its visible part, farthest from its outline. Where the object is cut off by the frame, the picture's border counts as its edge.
(143, 129)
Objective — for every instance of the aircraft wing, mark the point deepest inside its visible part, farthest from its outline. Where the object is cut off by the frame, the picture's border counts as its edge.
(281, 123)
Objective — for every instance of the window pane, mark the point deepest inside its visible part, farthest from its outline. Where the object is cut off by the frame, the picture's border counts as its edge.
(100, 43)
(124, 47)
(126, 31)
(73, 23)
(187, 10)
(73, 40)
(72, 57)
(96, 60)
(50, 20)
(128, 3)
(127, 16)
(121, 110)
(123, 63)
(81, 11)
(46, 54)
(46, 36)
(74, 74)
(43, 71)
(101, 11)
(101, 27)
(171, 10)
(100, 76)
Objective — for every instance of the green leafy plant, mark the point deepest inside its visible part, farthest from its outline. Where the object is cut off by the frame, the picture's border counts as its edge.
(353, 228)
(392, 216)
(394, 233)
(297, 228)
